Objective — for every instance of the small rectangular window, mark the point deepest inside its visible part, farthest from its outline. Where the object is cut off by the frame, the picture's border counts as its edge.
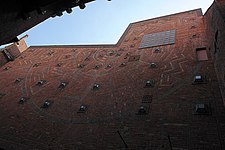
(202, 109)
(201, 54)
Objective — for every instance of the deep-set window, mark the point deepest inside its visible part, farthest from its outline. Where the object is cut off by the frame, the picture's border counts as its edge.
(201, 54)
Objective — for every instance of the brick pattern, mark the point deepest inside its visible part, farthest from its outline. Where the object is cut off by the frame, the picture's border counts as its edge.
(121, 71)
(215, 29)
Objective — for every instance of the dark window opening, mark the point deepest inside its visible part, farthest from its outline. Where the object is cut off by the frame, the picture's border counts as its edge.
(199, 79)
(82, 109)
(134, 58)
(59, 65)
(122, 64)
(142, 110)
(63, 85)
(6, 68)
(202, 48)
(37, 64)
(80, 65)
(153, 65)
(41, 82)
(202, 109)
(108, 66)
(96, 86)
(149, 83)
(97, 67)
(47, 104)
(157, 50)
(23, 100)
(18, 80)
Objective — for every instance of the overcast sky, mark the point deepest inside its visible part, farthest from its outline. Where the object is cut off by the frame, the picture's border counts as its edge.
(103, 22)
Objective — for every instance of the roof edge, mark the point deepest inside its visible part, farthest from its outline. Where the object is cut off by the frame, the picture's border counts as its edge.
(165, 16)
(75, 46)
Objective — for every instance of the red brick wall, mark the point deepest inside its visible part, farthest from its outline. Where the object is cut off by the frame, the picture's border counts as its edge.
(3, 59)
(171, 120)
(215, 29)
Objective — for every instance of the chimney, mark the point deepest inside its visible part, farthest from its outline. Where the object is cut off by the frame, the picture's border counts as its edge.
(21, 44)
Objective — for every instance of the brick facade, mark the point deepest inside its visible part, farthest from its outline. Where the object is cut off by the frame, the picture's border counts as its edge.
(215, 28)
(131, 98)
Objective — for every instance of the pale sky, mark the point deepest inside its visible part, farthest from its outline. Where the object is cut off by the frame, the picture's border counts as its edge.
(103, 22)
